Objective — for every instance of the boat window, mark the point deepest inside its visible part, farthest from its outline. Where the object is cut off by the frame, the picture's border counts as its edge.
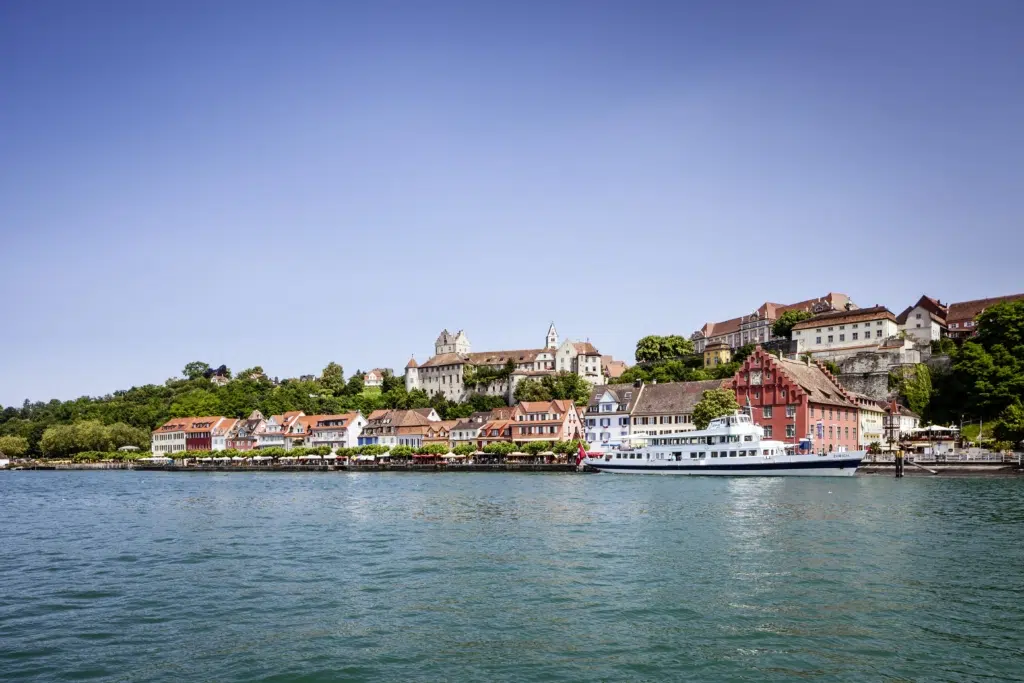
(748, 437)
(732, 454)
(765, 451)
(721, 439)
(714, 454)
(733, 439)
(693, 456)
(679, 456)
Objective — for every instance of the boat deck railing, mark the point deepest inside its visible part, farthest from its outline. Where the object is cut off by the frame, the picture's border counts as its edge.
(1014, 458)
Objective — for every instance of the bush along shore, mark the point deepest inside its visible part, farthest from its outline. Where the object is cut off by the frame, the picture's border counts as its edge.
(557, 456)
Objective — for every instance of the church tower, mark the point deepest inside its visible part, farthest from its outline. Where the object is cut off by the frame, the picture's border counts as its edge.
(552, 342)
(451, 343)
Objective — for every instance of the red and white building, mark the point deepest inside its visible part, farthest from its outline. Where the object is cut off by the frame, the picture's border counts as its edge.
(929, 318)
(335, 431)
(841, 333)
(793, 400)
(557, 420)
(189, 434)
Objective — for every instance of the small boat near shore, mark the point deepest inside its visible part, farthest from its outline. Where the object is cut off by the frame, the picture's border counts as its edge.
(730, 446)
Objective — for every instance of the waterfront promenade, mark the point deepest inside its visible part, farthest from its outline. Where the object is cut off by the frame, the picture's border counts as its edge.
(877, 465)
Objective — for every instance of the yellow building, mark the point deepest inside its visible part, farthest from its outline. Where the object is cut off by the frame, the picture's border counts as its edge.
(717, 353)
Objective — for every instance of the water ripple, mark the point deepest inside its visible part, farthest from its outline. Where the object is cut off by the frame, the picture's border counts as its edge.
(128, 576)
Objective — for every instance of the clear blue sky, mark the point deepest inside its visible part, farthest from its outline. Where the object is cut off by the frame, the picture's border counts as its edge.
(291, 183)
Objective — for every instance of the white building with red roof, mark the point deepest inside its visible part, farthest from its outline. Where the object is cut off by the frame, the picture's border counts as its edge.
(335, 431)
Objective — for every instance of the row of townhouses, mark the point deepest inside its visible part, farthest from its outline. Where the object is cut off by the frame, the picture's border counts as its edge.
(290, 430)
(791, 399)
(528, 421)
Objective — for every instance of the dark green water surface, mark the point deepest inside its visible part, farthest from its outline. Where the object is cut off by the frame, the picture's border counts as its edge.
(133, 576)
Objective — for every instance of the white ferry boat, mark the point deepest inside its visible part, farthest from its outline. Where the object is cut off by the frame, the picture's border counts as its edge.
(733, 446)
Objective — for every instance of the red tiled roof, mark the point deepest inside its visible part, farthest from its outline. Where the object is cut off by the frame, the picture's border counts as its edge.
(586, 349)
(613, 368)
(819, 384)
(772, 311)
(190, 424)
(845, 317)
(964, 311)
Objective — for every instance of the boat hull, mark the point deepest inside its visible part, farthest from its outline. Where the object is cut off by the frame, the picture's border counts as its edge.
(831, 467)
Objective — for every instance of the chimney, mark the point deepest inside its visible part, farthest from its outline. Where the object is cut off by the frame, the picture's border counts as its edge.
(638, 383)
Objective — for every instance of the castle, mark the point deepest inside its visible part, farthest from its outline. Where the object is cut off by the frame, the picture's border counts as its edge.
(456, 372)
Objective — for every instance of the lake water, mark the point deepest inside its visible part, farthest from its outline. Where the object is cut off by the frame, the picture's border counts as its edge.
(135, 576)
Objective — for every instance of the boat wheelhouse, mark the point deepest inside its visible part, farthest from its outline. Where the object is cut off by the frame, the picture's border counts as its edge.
(731, 445)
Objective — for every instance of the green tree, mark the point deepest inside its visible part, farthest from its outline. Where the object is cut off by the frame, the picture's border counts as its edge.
(1011, 424)
(654, 348)
(537, 447)
(458, 411)
(1002, 325)
(332, 378)
(783, 326)
(122, 434)
(723, 371)
(391, 381)
(88, 435)
(914, 386)
(832, 367)
(569, 447)
(13, 446)
(418, 399)
(198, 402)
(433, 449)
(196, 369)
(567, 386)
(637, 373)
(483, 403)
(714, 403)
(531, 390)
(742, 353)
(254, 373)
(500, 448)
(402, 451)
(464, 449)
(355, 385)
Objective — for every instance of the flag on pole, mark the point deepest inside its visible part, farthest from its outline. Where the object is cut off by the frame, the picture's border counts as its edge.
(581, 455)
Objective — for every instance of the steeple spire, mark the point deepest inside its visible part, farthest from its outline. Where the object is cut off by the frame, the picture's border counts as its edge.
(552, 340)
